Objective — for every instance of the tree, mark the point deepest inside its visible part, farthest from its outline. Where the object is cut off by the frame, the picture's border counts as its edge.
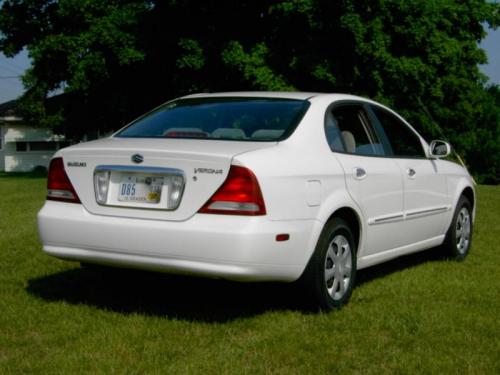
(116, 59)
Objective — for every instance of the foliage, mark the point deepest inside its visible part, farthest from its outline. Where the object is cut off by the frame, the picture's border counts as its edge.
(120, 58)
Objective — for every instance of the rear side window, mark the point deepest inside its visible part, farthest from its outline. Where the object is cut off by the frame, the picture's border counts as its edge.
(241, 119)
(403, 141)
(349, 130)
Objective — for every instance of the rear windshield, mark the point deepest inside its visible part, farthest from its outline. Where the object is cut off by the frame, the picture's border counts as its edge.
(242, 119)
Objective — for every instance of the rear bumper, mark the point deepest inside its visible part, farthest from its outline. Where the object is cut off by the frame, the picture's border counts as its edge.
(231, 247)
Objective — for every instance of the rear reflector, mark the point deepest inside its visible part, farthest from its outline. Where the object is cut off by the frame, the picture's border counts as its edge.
(239, 195)
(282, 237)
(59, 187)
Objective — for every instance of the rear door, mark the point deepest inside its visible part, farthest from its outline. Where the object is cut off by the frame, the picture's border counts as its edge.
(373, 181)
(425, 190)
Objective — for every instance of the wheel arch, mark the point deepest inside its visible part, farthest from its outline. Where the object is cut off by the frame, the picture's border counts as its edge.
(351, 217)
(468, 192)
(464, 187)
(339, 205)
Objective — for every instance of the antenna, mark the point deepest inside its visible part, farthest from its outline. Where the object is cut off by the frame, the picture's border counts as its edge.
(441, 133)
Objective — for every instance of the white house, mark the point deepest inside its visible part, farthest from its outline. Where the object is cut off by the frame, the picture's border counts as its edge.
(24, 148)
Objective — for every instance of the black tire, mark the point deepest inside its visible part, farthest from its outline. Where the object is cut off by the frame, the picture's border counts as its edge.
(457, 243)
(314, 280)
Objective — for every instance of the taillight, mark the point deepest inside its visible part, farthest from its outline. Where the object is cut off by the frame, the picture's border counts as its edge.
(239, 195)
(59, 187)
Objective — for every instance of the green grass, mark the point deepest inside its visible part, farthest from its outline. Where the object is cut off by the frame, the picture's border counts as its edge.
(416, 314)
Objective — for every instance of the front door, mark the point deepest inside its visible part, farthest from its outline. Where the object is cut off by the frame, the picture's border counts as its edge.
(426, 198)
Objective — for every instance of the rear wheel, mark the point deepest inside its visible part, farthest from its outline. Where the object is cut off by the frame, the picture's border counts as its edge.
(331, 272)
(459, 236)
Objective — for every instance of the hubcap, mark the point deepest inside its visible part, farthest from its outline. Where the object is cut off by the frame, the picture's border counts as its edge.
(462, 230)
(338, 267)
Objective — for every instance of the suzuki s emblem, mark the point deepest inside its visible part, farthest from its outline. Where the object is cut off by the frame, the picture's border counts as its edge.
(137, 158)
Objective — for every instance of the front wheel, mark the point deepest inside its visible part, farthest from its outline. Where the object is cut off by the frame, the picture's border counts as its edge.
(331, 272)
(459, 236)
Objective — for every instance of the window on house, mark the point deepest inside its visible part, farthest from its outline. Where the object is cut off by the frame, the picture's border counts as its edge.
(43, 146)
(38, 146)
(21, 146)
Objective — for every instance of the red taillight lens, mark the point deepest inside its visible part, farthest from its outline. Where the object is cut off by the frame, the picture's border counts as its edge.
(239, 195)
(59, 187)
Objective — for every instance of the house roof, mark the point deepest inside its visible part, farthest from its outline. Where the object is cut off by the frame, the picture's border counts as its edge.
(8, 109)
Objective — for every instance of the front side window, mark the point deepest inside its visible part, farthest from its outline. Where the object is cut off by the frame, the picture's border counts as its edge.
(241, 119)
(403, 141)
(349, 130)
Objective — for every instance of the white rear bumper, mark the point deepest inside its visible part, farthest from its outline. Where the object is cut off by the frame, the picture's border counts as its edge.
(232, 247)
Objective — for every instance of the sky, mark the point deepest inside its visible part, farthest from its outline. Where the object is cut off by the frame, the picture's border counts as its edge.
(12, 68)
(491, 44)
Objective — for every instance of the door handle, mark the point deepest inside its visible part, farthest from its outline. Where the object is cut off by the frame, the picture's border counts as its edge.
(411, 172)
(359, 173)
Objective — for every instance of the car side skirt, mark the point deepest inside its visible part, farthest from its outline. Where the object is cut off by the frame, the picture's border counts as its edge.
(373, 259)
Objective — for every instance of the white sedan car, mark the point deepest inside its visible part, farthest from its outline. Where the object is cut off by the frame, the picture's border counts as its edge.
(258, 186)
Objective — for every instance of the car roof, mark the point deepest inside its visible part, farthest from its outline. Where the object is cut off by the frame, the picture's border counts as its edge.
(276, 94)
(257, 94)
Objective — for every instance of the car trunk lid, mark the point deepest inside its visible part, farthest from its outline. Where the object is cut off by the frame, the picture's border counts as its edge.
(192, 169)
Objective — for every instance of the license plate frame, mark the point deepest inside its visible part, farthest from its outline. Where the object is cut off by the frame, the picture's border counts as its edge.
(172, 186)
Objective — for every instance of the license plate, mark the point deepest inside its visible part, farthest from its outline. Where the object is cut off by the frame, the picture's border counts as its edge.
(140, 188)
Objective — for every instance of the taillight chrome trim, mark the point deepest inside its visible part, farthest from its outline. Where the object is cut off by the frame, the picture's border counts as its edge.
(234, 206)
(60, 194)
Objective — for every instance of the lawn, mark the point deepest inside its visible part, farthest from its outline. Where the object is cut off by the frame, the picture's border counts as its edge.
(419, 313)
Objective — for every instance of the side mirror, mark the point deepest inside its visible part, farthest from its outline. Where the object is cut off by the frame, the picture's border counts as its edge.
(439, 149)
